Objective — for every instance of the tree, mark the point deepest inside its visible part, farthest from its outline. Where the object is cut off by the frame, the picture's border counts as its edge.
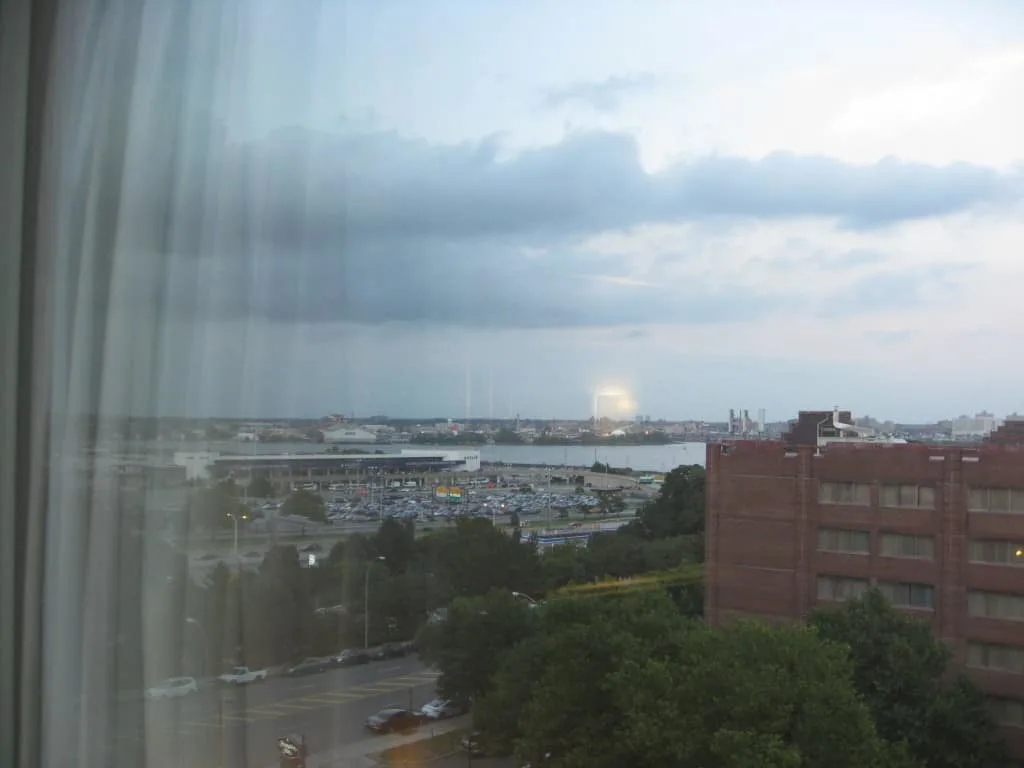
(212, 508)
(305, 504)
(395, 541)
(260, 487)
(468, 646)
(678, 509)
(474, 558)
(284, 604)
(900, 671)
(610, 504)
(631, 682)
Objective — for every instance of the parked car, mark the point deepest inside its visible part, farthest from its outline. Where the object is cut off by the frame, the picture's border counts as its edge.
(394, 650)
(243, 676)
(350, 657)
(393, 720)
(472, 744)
(442, 709)
(173, 688)
(309, 666)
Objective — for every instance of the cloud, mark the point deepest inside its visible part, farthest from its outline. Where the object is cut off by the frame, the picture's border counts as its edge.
(303, 189)
(600, 95)
(895, 289)
(375, 228)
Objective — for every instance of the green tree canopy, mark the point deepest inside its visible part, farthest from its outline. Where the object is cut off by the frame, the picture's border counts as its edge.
(900, 669)
(604, 684)
(395, 541)
(305, 504)
(469, 645)
(473, 557)
(212, 508)
(678, 509)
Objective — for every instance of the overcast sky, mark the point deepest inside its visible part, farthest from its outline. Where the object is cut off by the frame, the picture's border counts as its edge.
(415, 208)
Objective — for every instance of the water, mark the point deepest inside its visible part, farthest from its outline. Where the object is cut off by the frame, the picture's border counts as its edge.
(646, 458)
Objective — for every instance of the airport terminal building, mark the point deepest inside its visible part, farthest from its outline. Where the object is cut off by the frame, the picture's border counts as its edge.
(321, 467)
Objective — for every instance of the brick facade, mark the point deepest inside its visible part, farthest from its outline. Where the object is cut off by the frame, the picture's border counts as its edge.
(762, 542)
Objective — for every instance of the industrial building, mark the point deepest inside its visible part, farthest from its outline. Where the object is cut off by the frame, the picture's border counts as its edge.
(832, 510)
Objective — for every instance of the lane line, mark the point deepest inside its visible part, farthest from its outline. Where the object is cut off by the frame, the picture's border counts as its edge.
(326, 699)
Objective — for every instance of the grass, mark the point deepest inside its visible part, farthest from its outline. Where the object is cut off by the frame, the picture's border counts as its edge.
(423, 751)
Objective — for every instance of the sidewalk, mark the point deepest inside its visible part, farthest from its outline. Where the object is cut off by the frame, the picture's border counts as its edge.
(359, 754)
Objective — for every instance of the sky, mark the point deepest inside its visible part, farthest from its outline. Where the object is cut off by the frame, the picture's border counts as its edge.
(495, 208)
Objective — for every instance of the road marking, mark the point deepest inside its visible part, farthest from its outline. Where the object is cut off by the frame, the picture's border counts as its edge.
(290, 705)
(325, 699)
(305, 687)
(333, 698)
(268, 711)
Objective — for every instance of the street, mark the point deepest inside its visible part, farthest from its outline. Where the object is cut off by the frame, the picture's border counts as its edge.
(233, 727)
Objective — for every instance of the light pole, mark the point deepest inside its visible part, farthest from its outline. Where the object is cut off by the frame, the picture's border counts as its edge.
(533, 603)
(366, 603)
(234, 521)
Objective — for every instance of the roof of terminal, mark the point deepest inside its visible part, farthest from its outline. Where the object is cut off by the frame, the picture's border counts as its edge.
(333, 456)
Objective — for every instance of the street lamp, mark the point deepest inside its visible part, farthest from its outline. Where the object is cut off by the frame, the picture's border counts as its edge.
(234, 520)
(366, 604)
(533, 603)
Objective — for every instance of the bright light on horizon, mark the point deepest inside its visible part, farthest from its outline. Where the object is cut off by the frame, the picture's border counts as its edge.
(613, 402)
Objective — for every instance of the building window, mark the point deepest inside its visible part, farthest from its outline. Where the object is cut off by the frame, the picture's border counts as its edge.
(1008, 712)
(914, 496)
(841, 540)
(840, 588)
(999, 500)
(901, 545)
(844, 493)
(996, 552)
(906, 595)
(994, 605)
(1008, 658)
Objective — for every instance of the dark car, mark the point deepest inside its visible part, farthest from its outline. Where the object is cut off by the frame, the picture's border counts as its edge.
(393, 720)
(394, 650)
(350, 657)
(309, 666)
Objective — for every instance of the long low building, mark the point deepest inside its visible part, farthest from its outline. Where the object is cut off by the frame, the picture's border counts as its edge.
(320, 466)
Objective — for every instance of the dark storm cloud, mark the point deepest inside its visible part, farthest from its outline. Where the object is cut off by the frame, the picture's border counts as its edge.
(602, 95)
(442, 283)
(305, 226)
(298, 188)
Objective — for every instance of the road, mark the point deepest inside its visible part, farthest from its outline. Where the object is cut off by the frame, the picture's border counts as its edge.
(233, 727)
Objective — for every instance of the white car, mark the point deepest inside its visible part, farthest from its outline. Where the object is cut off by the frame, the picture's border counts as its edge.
(243, 675)
(441, 709)
(172, 688)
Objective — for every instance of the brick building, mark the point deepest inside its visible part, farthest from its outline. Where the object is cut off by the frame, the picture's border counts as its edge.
(795, 523)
